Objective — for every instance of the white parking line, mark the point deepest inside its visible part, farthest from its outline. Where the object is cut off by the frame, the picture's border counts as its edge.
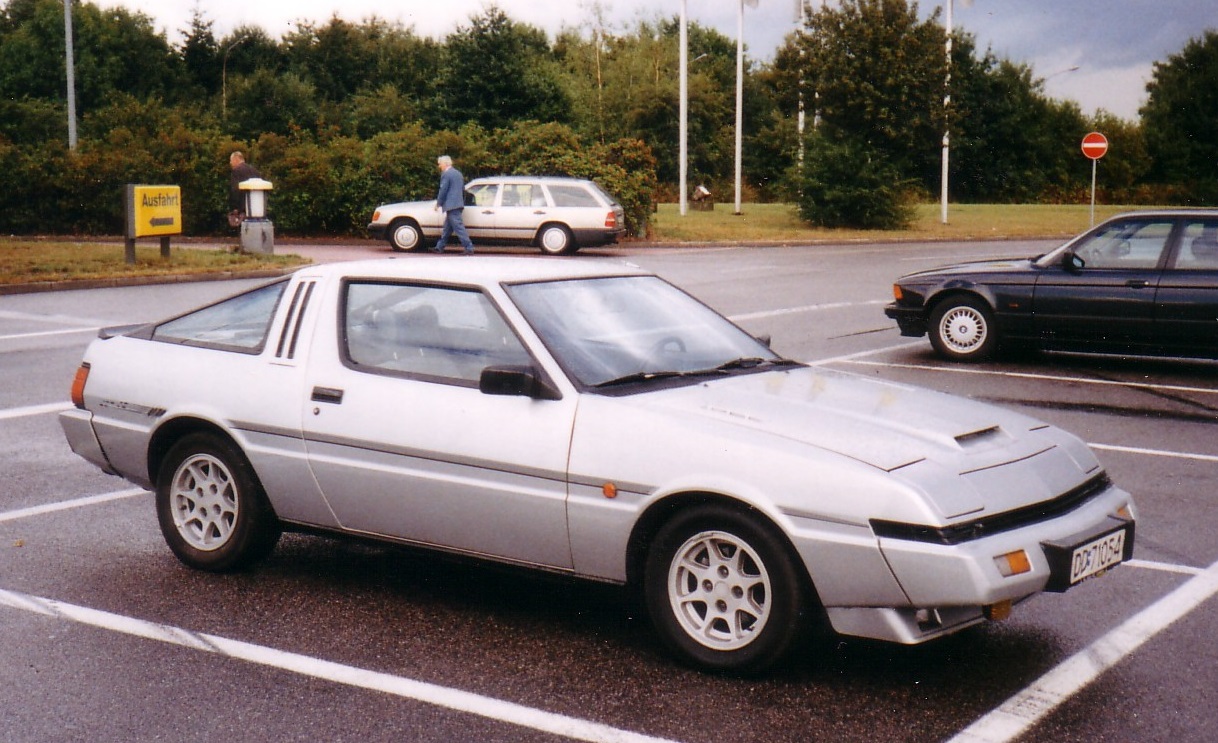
(1155, 452)
(1041, 377)
(1019, 713)
(67, 505)
(51, 407)
(406, 688)
(20, 336)
(805, 308)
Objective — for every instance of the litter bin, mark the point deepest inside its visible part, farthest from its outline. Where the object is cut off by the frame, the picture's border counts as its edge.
(257, 232)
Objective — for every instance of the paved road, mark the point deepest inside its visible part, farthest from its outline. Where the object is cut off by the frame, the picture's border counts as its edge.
(104, 636)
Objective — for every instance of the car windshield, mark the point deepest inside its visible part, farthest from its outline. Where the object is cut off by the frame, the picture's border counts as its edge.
(618, 331)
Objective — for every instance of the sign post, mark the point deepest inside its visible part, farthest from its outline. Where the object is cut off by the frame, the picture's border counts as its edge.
(152, 211)
(1095, 146)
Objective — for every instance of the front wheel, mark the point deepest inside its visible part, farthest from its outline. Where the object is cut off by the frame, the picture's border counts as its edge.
(721, 590)
(212, 510)
(962, 329)
(555, 239)
(405, 236)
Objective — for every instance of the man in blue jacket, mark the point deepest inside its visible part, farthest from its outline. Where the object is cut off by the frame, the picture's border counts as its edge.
(451, 199)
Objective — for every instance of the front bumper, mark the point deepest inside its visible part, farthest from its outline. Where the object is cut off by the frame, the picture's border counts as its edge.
(377, 230)
(950, 587)
(911, 320)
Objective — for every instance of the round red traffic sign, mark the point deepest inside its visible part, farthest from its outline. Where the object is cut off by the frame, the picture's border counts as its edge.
(1095, 145)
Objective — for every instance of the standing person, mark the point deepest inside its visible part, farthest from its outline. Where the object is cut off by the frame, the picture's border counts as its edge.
(241, 171)
(451, 199)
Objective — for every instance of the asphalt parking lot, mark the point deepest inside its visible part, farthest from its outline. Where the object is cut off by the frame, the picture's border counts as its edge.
(107, 637)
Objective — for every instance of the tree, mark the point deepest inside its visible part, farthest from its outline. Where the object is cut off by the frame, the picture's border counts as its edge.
(497, 71)
(115, 51)
(877, 73)
(1180, 119)
(846, 184)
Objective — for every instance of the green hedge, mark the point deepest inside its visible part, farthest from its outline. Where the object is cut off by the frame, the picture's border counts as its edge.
(324, 184)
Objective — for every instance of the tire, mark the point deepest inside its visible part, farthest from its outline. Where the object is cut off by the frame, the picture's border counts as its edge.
(722, 592)
(555, 239)
(212, 510)
(962, 329)
(405, 236)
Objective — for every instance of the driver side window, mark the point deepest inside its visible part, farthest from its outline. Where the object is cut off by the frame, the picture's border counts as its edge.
(1126, 245)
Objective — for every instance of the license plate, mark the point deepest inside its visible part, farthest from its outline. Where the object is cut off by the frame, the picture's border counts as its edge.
(1076, 558)
(1098, 556)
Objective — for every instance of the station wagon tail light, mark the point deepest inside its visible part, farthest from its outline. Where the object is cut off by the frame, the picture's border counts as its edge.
(611, 220)
(78, 386)
(1126, 512)
(1013, 563)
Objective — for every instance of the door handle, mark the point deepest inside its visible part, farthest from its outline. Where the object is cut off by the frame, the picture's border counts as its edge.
(540, 211)
(1137, 283)
(328, 394)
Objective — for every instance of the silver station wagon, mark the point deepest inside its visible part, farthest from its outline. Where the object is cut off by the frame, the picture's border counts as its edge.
(592, 420)
(557, 215)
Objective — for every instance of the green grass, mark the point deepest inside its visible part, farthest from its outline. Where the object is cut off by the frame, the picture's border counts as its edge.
(31, 260)
(26, 261)
(780, 223)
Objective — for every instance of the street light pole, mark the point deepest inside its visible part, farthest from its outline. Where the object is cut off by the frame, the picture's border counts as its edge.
(740, 90)
(947, 102)
(70, 65)
(224, 78)
(684, 85)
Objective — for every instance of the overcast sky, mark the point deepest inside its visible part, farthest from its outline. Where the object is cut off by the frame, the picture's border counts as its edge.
(1113, 43)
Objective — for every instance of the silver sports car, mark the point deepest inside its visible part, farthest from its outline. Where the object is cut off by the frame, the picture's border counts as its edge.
(594, 420)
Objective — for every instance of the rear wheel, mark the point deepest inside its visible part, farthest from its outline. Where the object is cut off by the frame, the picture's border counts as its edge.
(212, 511)
(556, 239)
(405, 235)
(962, 329)
(721, 590)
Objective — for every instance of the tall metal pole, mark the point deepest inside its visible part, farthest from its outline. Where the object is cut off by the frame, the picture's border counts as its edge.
(684, 76)
(70, 65)
(739, 92)
(947, 102)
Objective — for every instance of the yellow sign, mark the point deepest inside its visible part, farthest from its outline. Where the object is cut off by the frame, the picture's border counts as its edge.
(155, 210)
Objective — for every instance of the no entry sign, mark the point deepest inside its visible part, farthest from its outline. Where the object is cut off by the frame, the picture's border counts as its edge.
(1095, 145)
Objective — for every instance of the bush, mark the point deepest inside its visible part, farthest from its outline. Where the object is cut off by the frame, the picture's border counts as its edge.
(846, 184)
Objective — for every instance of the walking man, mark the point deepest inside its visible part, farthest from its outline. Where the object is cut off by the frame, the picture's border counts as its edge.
(451, 199)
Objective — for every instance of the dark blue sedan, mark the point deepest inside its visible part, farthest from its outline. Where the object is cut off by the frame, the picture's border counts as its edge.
(1142, 283)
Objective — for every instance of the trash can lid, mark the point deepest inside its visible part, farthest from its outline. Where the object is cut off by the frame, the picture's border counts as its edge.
(254, 184)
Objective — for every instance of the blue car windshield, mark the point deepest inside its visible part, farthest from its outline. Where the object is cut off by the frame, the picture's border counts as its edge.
(634, 328)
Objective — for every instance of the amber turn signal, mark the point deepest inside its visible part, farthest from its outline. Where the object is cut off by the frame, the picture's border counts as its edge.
(78, 386)
(1013, 563)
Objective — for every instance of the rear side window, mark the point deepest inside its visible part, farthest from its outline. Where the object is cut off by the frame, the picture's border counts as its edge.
(240, 323)
(572, 196)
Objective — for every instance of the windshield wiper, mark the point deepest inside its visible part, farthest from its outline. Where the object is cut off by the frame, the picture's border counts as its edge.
(752, 362)
(643, 376)
(744, 362)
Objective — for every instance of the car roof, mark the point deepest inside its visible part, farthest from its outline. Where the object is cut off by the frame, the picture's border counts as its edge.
(477, 270)
(1184, 212)
(547, 179)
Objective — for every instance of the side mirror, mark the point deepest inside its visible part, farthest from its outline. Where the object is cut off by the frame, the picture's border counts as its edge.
(1072, 262)
(517, 381)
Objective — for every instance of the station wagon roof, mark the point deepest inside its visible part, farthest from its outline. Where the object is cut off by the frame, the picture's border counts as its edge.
(547, 179)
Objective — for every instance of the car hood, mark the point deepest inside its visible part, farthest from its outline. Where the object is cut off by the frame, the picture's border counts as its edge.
(1004, 266)
(409, 205)
(919, 435)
